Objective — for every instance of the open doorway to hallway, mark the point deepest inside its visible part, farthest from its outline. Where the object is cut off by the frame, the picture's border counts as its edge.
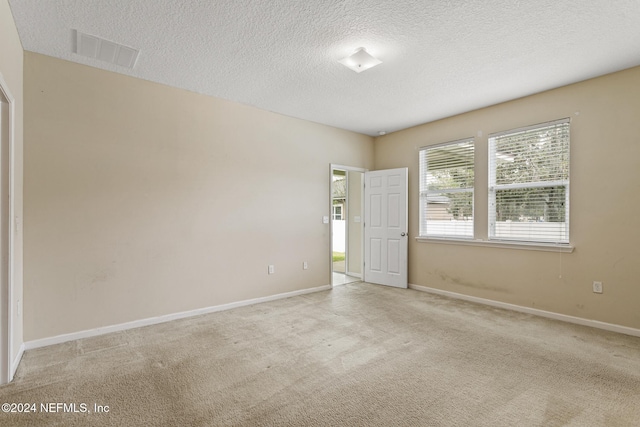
(346, 224)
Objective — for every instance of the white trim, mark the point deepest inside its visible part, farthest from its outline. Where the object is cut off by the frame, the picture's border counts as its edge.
(536, 312)
(58, 339)
(6, 371)
(504, 244)
(16, 361)
(539, 184)
(449, 191)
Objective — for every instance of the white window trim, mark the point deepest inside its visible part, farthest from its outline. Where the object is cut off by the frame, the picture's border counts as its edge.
(334, 214)
(504, 244)
(471, 190)
(493, 188)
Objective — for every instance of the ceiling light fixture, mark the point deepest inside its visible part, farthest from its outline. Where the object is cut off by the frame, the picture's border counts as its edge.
(360, 60)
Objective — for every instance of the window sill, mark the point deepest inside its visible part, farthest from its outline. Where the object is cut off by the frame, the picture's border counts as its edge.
(547, 247)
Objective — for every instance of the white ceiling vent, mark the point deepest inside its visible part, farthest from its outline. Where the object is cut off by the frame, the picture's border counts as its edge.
(104, 50)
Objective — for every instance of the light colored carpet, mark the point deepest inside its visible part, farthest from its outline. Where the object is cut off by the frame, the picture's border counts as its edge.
(360, 355)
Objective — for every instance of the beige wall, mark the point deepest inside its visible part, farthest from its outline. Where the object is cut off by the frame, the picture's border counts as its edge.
(605, 223)
(11, 62)
(144, 200)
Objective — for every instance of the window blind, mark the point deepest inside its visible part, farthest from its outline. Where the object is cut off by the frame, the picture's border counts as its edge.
(529, 183)
(446, 189)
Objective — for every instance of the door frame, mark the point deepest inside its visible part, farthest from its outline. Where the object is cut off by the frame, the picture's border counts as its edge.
(332, 167)
(7, 370)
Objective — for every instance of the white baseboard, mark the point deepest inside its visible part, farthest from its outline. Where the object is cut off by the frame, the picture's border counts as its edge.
(43, 342)
(549, 314)
(16, 362)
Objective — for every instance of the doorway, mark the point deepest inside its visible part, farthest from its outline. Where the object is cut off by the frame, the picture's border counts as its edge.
(346, 224)
(377, 253)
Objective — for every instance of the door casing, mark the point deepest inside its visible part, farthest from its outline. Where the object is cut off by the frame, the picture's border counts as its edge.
(7, 226)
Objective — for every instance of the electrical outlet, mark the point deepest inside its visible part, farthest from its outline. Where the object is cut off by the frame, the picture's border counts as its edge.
(305, 265)
(272, 269)
(597, 287)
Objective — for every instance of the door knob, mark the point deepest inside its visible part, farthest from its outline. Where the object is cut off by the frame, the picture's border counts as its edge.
(403, 234)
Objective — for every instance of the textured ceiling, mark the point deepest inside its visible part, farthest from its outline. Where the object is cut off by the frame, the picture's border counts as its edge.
(440, 58)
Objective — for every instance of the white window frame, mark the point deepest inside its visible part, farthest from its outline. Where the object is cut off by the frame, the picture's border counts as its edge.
(425, 192)
(493, 187)
(337, 216)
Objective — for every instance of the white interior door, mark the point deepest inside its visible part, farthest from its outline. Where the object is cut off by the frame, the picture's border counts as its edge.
(385, 227)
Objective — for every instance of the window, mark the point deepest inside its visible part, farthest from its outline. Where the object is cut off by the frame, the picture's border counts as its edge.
(446, 190)
(337, 212)
(529, 184)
